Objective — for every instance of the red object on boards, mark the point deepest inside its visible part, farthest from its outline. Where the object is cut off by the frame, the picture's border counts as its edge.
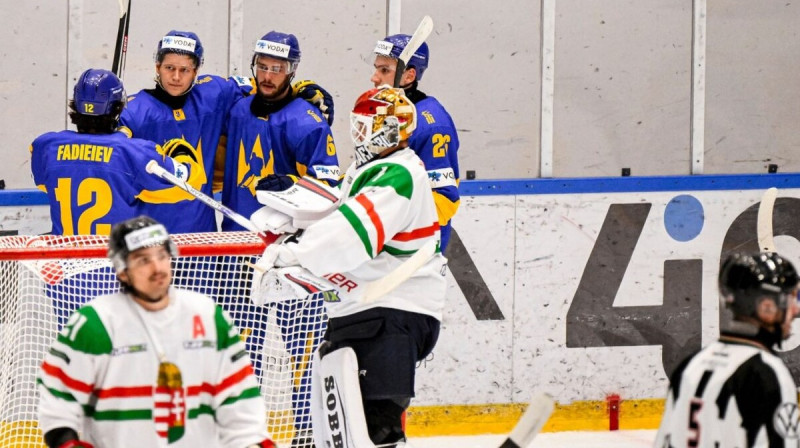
(612, 402)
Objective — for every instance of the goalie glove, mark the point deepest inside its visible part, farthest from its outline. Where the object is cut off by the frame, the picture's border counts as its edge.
(281, 284)
(273, 221)
(316, 95)
(278, 255)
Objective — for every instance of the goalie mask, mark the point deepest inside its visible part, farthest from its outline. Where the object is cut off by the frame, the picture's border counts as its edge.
(746, 280)
(134, 234)
(382, 118)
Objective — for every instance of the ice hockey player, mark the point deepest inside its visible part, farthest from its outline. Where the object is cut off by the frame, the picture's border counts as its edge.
(103, 165)
(274, 138)
(183, 104)
(435, 140)
(151, 365)
(364, 372)
(272, 132)
(737, 392)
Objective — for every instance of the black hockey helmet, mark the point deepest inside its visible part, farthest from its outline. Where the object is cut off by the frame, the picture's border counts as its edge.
(745, 279)
(134, 234)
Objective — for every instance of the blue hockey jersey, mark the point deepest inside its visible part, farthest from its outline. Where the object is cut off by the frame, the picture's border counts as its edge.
(199, 121)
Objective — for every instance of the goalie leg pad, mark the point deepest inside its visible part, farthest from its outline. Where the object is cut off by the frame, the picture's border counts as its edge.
(385, 420)
(337, 410)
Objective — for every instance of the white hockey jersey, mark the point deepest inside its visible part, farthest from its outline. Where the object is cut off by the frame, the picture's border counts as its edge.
(103, 378)
(733, 393)
(386, 213)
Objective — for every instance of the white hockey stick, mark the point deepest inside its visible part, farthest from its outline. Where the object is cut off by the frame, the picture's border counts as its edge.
(766, 242)
(422, 32)
(374, 290)
(154, 168)
(531, 422)
(392, 280)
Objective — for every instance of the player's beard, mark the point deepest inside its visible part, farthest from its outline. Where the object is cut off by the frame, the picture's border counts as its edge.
(280, 90)
(159, 294)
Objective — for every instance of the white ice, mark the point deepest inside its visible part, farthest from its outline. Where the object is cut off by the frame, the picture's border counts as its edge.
(566, 439)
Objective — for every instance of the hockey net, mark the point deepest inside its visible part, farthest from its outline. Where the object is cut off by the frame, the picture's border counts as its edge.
(45, 278)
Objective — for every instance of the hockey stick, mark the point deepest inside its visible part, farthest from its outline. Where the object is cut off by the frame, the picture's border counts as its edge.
(531, 422)
(392, 280)
(154, 168)
(374, 290)
(766, 242)
(424, 30)
(121, 49)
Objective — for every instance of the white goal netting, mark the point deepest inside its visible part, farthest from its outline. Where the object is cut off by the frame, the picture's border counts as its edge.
(44, 278)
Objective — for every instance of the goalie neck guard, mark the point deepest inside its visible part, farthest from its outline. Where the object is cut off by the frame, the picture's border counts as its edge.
(381, 119)
(134, 234)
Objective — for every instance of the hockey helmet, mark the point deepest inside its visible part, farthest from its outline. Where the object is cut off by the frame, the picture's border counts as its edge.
(181, 42)
(381, 118)
(745, 280)
(97, 92)
(279, 45)
(134, 234)
(393, 45)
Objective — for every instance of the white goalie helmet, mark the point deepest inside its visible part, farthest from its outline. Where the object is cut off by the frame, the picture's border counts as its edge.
(382, 118)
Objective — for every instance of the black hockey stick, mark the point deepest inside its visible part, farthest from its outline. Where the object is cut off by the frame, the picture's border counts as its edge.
(424, 30)
(121, 49)
(531, 422)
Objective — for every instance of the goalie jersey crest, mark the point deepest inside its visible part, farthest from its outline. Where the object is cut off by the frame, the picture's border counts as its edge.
(169, 407)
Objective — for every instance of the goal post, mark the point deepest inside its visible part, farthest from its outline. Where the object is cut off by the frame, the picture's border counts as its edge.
(45, 278)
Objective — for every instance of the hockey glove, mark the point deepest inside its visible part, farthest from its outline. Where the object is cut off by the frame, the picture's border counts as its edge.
(316, 95)
(265, 444)
(278, 255)
(76, 444)
(64, 438)
(276, 182)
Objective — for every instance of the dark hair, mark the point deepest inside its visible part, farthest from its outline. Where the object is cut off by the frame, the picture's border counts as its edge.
(95, 124)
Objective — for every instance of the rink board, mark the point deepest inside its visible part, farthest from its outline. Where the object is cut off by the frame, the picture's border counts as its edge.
(581, 288)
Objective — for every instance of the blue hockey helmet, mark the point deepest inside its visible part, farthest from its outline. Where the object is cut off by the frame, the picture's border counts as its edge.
(97, 92)
(393, 45)
(181, 42)
(279, 46)
(745, 280)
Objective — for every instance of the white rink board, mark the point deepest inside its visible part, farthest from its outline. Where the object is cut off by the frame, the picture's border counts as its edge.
(532, 251)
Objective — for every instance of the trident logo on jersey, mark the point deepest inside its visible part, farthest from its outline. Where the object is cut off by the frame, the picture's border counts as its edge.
(169, 412)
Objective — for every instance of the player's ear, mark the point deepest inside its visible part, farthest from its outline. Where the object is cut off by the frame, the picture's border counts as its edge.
(409, 76)
(123, 276)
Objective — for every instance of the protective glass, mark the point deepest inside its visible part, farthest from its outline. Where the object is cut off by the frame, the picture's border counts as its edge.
(276, 68)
